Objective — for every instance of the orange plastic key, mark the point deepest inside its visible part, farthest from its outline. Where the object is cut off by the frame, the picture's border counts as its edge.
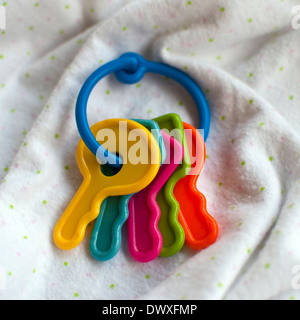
(133, 176)
(201, 229)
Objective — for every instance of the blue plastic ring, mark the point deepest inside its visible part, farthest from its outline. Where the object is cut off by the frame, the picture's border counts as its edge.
(129, 69)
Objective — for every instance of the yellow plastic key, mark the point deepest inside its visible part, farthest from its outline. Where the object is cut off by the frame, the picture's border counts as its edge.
(132, 177)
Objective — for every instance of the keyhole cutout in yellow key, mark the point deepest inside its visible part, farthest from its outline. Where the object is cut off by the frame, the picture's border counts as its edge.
(136, 173)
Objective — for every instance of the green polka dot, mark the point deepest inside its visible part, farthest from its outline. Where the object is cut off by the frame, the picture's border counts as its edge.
(281, 68)
(178, 274)
(232, 140)
(4, 4)
(219, 58)
(38, 172)
(56, 136)
(3, 85)
(250, 75)
(277, 231)
(220, 284)
(240, 223)
(66, 167)
(42, 97)
(25, 237)
(124, 28)
(291, 98)
(290, 206)
(180, 103)
(147, 276)
(52, 57)
(206, 156)
(137, 85)
(34, 270)
(31, 28)
(261, 124)
(271, 158)
(189, 3)
(1, 56)
(5, 169)
(212, 258)
(222, 9)
(243, 163)
(292, 298)
(250, 20)
(66, 263)
(220, 184)
(27, 75)
(267, 266)
(262, 188)
(222, 118)
(37, 4)
(44, 201)
(232, 208)
(250, 101)
(25, 144)
(11, 206)
(47, 106)
(185, 67)
(61, 31)
(207, 91)
(112, 286)
(149, 111)
(155, 27)
(28, 53)
(67, 6)
(167, 49)
(76, 295)
(210, 40)
(107, 92)
(13, 110)
(3, 33)
(92, 10)
(248, 250)
(9, 273)
(101, 60)
(79, 41)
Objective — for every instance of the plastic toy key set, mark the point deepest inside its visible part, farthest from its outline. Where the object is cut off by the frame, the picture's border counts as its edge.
(140, 172)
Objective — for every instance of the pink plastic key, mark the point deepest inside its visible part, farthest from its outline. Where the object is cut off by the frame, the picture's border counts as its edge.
(144, 238)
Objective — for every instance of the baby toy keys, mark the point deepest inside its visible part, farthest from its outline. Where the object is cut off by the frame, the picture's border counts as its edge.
(144, 238)
(105, 240)
(96, 186)
(169, 226)
(200, 227)
(149, 181)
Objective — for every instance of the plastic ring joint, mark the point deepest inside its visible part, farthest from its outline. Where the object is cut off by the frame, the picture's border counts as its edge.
(129, 69)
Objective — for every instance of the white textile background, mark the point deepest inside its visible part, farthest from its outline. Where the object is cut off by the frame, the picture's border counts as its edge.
(245, 56)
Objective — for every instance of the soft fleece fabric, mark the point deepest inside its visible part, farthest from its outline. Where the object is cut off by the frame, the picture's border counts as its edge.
(245, 56)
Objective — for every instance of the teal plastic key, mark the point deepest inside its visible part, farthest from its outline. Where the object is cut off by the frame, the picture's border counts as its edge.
(106, 237)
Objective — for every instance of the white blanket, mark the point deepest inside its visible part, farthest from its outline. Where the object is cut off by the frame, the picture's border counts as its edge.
(245, 55)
